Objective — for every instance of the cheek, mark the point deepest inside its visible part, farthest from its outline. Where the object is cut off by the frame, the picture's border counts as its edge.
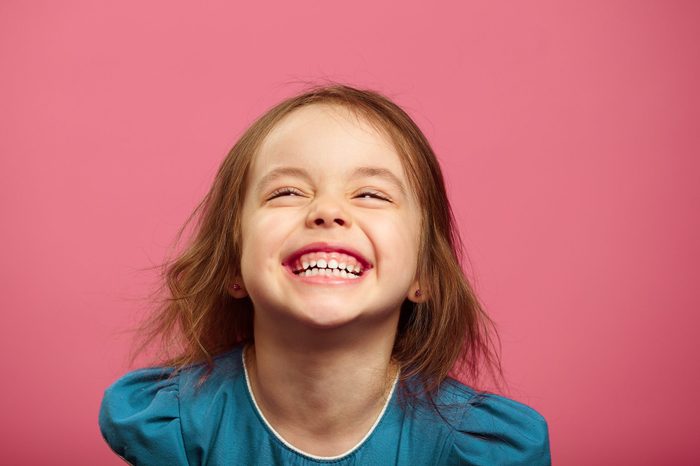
(398, 246)
(262, 238)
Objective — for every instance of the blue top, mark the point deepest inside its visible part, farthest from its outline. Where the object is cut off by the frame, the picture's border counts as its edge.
(152, 417)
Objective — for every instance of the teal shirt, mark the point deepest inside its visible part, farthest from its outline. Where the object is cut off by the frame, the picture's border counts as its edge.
(152, 417)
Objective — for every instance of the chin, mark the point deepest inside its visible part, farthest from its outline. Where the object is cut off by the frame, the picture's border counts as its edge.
(326, 319)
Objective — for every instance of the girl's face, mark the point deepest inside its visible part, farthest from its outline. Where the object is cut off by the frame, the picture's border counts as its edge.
(330, 225)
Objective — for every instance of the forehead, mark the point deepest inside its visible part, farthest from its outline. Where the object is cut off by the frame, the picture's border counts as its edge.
(326, 136)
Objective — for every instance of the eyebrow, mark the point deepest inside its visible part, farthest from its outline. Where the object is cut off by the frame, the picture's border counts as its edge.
(359, 172)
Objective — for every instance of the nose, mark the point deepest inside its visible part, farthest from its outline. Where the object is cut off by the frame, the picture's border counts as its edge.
(327, 213)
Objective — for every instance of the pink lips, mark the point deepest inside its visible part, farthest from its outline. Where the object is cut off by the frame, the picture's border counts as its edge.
(326, 247)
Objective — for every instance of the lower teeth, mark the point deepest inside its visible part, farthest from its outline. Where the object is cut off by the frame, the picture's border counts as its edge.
(327, 273)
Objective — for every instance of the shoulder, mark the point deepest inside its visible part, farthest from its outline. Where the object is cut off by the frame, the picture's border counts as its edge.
(141, 413)
(493, 429)
(139, 417)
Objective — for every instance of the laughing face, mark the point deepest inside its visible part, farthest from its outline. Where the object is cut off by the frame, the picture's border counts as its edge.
(330, 225)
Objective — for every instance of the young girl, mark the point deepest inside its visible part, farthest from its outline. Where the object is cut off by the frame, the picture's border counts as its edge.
(317, 311)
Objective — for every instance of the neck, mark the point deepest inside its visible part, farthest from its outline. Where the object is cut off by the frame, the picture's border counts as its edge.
(321, 393)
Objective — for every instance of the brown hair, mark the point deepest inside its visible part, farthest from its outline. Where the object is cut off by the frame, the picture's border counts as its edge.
(197, 318)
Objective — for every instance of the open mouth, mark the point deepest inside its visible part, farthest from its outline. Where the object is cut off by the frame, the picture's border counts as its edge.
(325, 264)
(326, 261)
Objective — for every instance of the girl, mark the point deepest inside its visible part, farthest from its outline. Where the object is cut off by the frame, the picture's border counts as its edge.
(317, 311)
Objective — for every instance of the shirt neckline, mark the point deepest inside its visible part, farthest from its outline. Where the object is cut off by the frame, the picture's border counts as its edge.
(349, 452)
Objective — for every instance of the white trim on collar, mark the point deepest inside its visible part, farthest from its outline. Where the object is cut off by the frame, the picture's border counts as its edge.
(301, 452)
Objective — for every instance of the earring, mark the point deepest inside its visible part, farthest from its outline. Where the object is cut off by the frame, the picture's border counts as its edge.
(236, 286)
(418, 293)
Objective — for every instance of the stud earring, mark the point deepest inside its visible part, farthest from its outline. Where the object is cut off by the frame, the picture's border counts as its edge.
(418, 293)
(236, 286)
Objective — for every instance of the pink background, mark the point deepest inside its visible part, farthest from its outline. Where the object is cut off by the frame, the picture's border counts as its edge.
(568, 132)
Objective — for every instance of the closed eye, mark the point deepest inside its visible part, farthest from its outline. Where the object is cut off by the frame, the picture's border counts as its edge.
(373, 195)
(288, 191)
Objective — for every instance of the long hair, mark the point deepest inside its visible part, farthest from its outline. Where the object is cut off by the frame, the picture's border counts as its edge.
(196, 318)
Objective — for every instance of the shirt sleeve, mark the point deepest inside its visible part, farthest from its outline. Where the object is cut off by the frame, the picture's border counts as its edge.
(497, 430)
(140, 418)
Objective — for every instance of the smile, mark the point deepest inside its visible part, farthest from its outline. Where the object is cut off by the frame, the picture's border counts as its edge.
(322, 263)
(327, 264)
(327, 268)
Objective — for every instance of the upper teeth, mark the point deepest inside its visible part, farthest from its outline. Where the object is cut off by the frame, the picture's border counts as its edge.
(340, 264)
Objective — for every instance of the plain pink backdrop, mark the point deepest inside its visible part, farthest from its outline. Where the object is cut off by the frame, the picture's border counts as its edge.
(568, 133)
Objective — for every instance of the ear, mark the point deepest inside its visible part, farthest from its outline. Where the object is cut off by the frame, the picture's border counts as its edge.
(237, 288)
(416, 293)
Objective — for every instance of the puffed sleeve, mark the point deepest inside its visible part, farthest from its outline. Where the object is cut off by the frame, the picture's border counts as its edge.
(498, 431)
(139, 418)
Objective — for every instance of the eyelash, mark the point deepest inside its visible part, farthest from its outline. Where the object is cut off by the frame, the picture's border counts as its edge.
(285, 191)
